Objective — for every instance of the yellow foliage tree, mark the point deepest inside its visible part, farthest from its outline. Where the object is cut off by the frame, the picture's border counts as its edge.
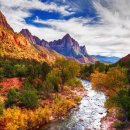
(98, 80)
(111, 81)
(17, 118)
(60, 107)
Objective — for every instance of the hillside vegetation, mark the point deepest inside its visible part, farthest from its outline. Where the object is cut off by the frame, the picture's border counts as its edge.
(45, 92)
(114, 81)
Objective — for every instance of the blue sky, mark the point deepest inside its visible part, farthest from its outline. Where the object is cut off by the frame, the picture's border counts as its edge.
(103, 26)
(79, 8)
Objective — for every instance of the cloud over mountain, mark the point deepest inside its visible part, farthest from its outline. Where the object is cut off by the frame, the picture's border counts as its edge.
(102, 25)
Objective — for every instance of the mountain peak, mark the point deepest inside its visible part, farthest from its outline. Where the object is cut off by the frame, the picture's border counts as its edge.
(3, 22)
(25, 31)
(67, 36)
(32, 39)
(70, 48)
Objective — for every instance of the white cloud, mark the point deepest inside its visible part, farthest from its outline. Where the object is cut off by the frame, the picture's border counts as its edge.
(106, 38)
(17, 10)
(26, 5)
(111, 36)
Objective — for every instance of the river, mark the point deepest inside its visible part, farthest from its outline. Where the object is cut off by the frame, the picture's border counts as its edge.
(87, 116)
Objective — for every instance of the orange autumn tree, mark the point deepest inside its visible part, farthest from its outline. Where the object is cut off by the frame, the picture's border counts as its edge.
(98, 80)
(16, 118)
(111, 81)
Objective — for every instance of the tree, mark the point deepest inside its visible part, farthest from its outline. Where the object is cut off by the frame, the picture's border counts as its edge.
(68, 70)
(9, 70)
(29, 98)
(116, 78)
(1, 108)
(20, 70)
(122, 100)
(12, 97)
(45, 69)
(101, 67)
(87, 70)
(73, 83)
(53, 79)
(1, 73)
(113, 80)
(98, 80)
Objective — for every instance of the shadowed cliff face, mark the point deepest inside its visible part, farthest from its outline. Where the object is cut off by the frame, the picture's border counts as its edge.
(29, 36)
(34, 39)
(3, 22)
(66, 46)
(71, 49)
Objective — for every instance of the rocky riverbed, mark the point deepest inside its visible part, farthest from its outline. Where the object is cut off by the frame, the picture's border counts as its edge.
(87, 116)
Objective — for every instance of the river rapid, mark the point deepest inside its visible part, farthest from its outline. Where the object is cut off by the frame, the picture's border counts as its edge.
(87, 116)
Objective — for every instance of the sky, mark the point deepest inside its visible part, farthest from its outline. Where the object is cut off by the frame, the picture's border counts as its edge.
(103, 26)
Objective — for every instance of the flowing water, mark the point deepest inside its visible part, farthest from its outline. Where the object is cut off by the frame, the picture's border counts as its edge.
(87, 116)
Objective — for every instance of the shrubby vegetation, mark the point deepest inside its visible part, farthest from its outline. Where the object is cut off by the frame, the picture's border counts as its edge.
(61, 107)
(29, 99)
(114, 81)
(88, 69)
(23, 68)
(17, 118)
(12, 97)
(40, 96)
(1, 108)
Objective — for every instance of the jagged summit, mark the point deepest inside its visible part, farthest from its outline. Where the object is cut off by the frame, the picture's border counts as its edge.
(67, 36)
(66, 46)
(29, 36)
(33, 39)
(70, 48)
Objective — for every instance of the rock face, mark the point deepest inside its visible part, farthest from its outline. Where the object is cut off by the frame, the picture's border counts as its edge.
(66, 46)
(29, 36)
(3, 22)
(70, 48)
(33, 39)
(125, 59)
(16, 46)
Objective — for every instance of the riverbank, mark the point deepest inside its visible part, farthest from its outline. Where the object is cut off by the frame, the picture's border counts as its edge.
(52, 109)
(108, 120)
(64, 102)
(87, 115)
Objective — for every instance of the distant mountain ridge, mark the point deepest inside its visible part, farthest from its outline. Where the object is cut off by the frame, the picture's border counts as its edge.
(66, 46)
(107, 59)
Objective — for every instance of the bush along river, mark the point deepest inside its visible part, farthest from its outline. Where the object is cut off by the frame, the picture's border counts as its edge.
(87, 116)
